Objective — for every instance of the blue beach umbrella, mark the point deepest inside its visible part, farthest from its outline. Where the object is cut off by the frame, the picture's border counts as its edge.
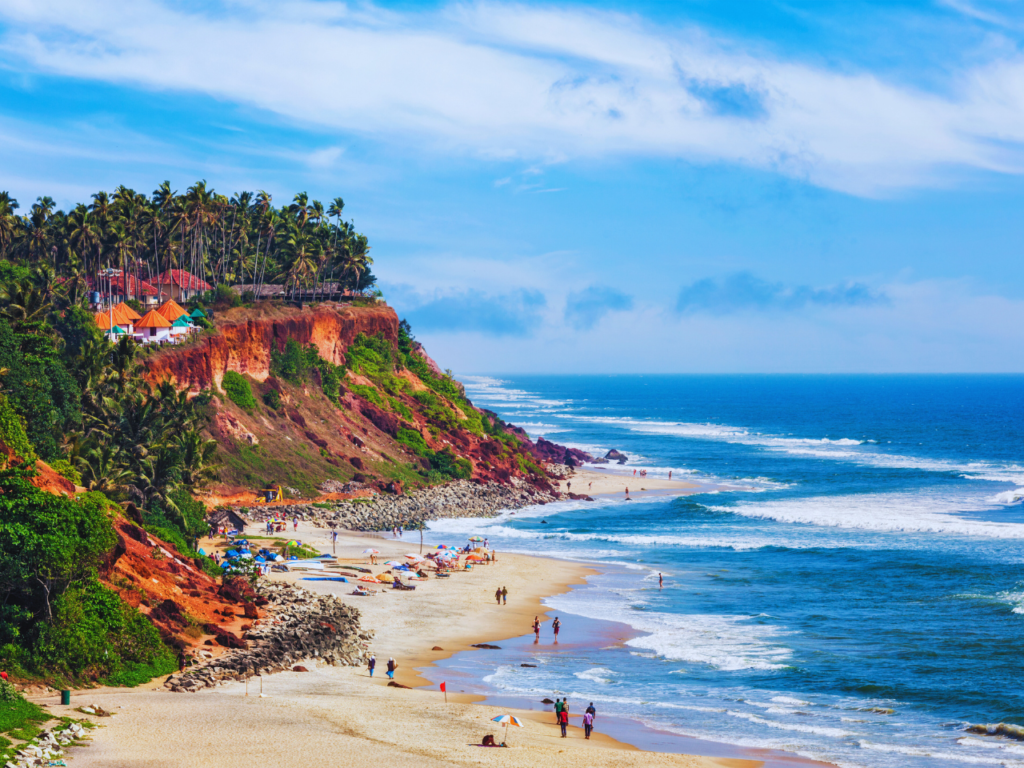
(508, 720)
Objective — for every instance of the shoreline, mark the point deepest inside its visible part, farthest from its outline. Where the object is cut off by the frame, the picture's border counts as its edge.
(450, 614)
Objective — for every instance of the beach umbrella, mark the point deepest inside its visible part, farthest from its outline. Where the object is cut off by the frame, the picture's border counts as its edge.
(476, 538)
(414, 557)
(476, 557)
(371, 551)
(508, 720)
(393, 563)
(386, 578)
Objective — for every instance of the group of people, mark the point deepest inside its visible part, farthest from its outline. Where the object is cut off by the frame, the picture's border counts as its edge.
(556, 625)
(562, 717)
(392, 666)
(397, 531)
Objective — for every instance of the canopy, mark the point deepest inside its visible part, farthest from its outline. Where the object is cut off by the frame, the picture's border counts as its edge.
(197, 313)
(117, 329)
(508, 720)
(182, 322)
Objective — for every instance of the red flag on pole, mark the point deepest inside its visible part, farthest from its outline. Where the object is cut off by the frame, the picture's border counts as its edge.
(444, 690)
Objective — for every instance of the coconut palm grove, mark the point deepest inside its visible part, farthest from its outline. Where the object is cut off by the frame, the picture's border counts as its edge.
(74, 395)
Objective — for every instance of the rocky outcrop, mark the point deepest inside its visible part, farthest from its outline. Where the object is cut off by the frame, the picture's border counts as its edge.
(547, 452)
(245, 337)
(382, 513)
(302, 626)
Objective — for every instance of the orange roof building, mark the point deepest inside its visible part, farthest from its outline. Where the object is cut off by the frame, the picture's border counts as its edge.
(117, 314)
(171, 310)
(153, 320)
(130, 313)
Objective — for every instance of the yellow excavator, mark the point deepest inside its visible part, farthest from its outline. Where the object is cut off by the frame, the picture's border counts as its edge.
(269, 494)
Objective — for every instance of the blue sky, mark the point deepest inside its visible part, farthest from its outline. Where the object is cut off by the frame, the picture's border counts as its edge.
(701, 185)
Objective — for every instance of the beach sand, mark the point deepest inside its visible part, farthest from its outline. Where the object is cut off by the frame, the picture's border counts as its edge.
(341, 716)
(615, 480)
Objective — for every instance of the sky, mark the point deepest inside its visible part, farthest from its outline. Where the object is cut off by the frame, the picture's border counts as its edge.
(652, 187)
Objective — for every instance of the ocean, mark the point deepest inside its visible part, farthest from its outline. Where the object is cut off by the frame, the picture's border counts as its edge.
(848, 588)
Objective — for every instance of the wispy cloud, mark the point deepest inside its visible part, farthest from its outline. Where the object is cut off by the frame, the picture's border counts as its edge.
(540, 84)
(744, 291)
(584, 309)
(517, 313)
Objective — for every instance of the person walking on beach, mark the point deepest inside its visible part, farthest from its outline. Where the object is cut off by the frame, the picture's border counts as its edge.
(371, 664)
(588, 724)
(504, 596)
(558, 710)
(556, 625)
(563, 717)
(497, 595)
(627, 492)
(295, 523)
(392, 666)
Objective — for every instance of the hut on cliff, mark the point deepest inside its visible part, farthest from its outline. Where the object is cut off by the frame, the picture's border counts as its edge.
(153, 328)
(172, 310)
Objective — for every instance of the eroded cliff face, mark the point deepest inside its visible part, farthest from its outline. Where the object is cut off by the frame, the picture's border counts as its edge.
(311, 439)
(245, 337)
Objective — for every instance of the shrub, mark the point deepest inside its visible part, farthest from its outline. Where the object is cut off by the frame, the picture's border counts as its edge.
(12, 431)
(448, 464)
(369, 394)
(224, 295)
(238, 389)
(413, 440)
(272, 399)
(64, 468)
(290, 363)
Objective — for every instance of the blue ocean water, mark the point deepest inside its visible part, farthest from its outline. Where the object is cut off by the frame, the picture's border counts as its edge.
(852, 592)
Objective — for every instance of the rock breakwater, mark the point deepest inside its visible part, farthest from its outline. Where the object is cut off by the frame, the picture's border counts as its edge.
(461, 498)
(301, 626)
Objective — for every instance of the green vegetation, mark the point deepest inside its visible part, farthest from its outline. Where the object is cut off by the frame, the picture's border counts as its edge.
(55, 616)
(18, 719)
(272, 399)
(414, 441)
(237, 388)
(223, 239)
(85, 406)
(369, 394)
(296, 364)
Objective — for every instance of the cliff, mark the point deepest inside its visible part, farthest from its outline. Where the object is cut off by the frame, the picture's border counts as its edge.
(244, 338)
(359, 439)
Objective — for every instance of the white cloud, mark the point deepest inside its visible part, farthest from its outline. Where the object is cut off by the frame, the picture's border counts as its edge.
(538, 84)
(929, 326)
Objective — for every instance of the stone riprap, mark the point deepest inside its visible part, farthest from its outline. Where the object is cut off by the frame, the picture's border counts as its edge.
(300, 625)
(384, 512)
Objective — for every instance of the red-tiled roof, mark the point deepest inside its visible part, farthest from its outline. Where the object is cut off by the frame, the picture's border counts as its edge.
(116, 285)
(183, 279)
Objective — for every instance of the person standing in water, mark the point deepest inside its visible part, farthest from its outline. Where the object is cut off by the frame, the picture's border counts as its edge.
(556, 625)
(661, 582)
(536, 630)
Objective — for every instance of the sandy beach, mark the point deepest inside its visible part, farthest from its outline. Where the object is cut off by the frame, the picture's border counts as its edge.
(615, 480)
(342, 716)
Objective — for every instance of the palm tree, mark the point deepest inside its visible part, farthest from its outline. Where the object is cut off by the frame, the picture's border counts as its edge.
(8, 221)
